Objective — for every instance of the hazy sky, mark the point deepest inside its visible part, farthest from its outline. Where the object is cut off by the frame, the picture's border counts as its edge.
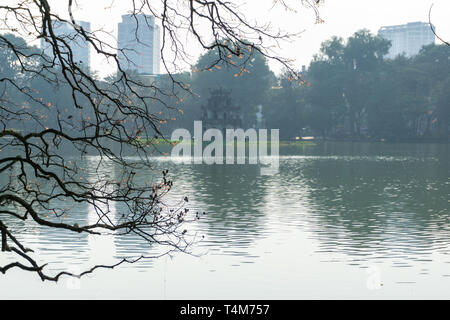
(342, 18)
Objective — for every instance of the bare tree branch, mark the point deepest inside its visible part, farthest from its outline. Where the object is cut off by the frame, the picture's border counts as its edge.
(116, 120)
(433, 28)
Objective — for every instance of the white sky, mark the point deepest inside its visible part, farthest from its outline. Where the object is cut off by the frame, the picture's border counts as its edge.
(342, 18)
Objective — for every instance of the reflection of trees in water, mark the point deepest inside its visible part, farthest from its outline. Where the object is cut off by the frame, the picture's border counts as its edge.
(380, 207)
(232, 196)
(359, 204)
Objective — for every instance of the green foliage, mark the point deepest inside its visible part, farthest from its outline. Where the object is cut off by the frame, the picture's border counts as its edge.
(349, 91)
(28, 94)
(248, 76)
(284, 108)
(356, 93)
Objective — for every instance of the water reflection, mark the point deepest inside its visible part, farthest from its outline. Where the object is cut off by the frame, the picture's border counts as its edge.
(232, 198)
(354, 203)
(377, 207)
(109, 247)
(101, 248)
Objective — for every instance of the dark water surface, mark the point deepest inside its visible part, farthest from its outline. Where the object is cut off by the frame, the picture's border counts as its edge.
(339, 220)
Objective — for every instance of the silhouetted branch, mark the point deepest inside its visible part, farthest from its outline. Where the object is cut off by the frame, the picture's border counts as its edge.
(433, 29)
(110, 119)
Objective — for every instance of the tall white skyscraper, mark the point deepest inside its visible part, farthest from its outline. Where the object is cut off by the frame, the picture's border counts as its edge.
(138, 44)
(408, 38)
(78, 46)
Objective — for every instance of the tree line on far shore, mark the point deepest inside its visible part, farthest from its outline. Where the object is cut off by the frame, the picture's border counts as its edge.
(349, 91)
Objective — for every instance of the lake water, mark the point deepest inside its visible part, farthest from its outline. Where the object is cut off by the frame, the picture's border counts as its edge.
(339, 220)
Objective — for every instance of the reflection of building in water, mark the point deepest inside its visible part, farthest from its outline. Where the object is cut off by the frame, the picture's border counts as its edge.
(102, 247)
(408, 38)
(106, 249)
(220, 112)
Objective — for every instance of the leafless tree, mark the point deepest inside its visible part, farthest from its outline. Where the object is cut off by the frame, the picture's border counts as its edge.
(110, 119)
(433, 29)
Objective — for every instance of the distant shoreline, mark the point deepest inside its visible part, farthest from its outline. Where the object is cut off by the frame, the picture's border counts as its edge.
(384, 140)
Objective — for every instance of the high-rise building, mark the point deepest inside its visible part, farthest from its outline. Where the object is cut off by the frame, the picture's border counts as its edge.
(78, 45)
(408, 38)
(138, 44)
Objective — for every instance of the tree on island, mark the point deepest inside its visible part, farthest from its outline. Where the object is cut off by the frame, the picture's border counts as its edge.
(51, 106)
(247, 85)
